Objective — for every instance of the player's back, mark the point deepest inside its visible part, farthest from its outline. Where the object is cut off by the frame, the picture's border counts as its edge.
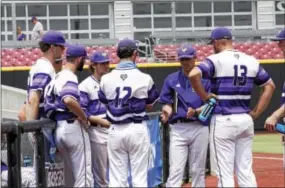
(235, 74)
(127, 93)
(64, 84)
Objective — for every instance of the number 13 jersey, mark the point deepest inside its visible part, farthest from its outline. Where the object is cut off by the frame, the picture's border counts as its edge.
(126, 91)
(233, 75)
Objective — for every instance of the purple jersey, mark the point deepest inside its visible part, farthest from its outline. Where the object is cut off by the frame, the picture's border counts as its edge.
(21, 37)
(40, 75)
(178, 92)
(64, 85)
(126, 91)
(89, 99)
(233, 75)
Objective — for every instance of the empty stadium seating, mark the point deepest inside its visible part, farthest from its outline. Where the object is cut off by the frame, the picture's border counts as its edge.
(27, 56)
(167, 53)
(162, 53)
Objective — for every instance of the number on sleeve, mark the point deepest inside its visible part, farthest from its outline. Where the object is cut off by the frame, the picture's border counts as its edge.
(243, 73)
(49, 92)
(122, 101)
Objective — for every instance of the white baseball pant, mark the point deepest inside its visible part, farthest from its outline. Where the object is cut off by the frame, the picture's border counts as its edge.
(188, 140)
(74, 146)
(231, 138)
(98, 140)
(128, 144)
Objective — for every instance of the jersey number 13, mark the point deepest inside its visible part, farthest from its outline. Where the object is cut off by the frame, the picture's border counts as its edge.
(242, 70)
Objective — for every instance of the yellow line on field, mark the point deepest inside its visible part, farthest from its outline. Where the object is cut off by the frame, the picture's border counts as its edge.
(144, 65)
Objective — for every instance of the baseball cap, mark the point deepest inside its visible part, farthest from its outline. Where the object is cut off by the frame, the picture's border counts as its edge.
(76, 50)
(220, 33)
(127, 44)
(186, 51)
(33, 18)
(53, 37)
(99, 57)
(279, 36)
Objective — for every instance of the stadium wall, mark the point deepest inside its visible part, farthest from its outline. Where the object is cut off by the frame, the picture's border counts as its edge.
(17, 77)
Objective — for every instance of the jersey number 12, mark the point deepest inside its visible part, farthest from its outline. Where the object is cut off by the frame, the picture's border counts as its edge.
(122, 101)
(243, 73)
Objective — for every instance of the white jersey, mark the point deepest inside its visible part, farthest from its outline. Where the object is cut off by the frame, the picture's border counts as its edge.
(90, 103)
(126, 92)
(64, 85)
(233, 75)
(40, 75)
(38, 28)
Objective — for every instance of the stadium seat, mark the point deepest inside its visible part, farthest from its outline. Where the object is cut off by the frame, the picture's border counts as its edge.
(162, 53)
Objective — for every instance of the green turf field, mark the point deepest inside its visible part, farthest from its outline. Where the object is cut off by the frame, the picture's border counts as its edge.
(268, 143)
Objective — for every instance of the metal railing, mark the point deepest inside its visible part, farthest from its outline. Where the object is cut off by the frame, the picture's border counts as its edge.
(14, 129)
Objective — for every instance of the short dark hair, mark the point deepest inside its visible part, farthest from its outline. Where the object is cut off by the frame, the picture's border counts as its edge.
(91, 69)
(125, 52)
(44, 46)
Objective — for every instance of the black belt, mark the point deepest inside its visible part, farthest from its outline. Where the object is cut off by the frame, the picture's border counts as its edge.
(183, 121)
(70, 121)
(97, 125)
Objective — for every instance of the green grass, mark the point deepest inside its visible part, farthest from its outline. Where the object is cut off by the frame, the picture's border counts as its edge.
(270, 143)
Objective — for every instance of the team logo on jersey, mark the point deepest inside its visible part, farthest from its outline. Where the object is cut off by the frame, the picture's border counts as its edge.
(184, 49)
(178, 85)
(236, 56)
(124, 76)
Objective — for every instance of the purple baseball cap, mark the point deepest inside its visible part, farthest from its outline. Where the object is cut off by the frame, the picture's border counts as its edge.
(54, 37)
(186, 51)
(76, 50)
(280, 36)
(33, 18)
(220, 33)
(127, 44)
(99, 57)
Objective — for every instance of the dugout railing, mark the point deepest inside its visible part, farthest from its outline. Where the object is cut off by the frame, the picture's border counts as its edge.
(14, 129)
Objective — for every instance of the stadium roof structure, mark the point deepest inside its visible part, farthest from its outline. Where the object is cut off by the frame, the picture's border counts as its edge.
(205, 34)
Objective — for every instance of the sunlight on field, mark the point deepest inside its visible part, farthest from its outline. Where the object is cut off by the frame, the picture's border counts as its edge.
(270, 143)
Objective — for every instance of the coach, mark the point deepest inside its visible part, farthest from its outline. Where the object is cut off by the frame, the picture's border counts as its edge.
(188, 135)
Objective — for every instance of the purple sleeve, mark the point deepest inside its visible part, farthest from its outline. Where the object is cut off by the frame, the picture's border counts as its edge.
(102, 97)
(167, 93)
(152, 95)
(207, 69)
(262, 77)
(84, 99)
(39, 81)
(208, 86)
(70, 89)
(283, 95)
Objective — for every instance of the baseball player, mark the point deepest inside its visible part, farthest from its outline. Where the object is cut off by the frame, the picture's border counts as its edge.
(188, 135)
(62, 105)
(127, 92)
(233, 75)
(272, 120)
(96, 113)
(52, 45)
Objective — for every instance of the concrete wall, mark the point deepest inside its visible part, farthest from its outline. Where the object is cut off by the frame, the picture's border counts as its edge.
(11, 100)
